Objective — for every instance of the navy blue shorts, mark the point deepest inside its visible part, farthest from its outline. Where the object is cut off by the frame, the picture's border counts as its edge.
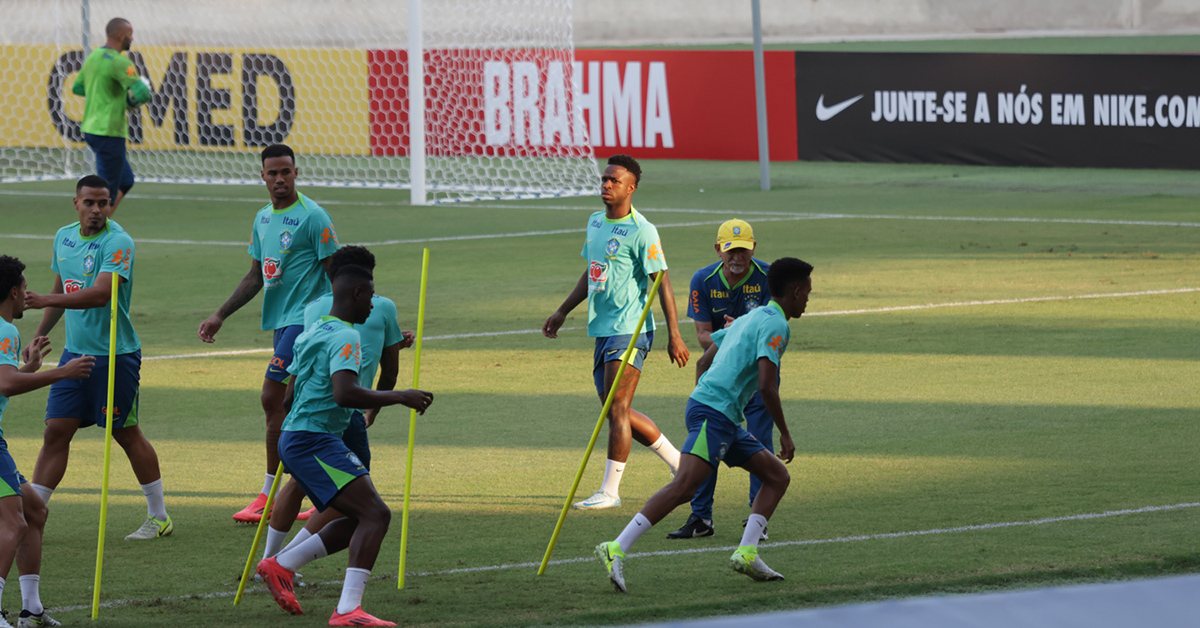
(111, 162)
(356, 439)
(87, 399)
(10, 479)
(284, 343)
(713, 437)
(321, 464)
(612, 349)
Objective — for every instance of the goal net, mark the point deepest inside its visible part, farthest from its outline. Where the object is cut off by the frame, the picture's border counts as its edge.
(331, 78)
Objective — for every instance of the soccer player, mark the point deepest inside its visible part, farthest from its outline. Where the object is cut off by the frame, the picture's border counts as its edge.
(382, 341)
(88, 256)
(743, 357)
(22, 511)
(291, 241)
(323, 393)
(722, 292)
(624, 257)
(105, 81)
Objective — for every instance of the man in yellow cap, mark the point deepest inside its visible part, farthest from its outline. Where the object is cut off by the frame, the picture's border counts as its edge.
(720, 293)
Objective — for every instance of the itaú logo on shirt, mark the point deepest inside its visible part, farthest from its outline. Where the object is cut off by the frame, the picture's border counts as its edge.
(72, 285)
(272, 268)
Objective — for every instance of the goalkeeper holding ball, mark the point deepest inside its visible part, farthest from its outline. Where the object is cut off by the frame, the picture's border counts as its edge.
(110, 83)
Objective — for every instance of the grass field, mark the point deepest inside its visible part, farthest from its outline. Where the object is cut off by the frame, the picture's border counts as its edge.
(906, 420)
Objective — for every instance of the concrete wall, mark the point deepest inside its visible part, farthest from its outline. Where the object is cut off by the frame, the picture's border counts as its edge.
(641, 22)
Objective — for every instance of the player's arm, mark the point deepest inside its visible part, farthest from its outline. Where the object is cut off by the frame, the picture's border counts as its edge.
(389, 368)
(348, 394)
(14, 381)
(706, 360)
(676, 348)
(243, 294)
(96, 296)
(289, 394)
(577, 296)
(78, 87)
(768, 389)
(50, 315)
(704, 332)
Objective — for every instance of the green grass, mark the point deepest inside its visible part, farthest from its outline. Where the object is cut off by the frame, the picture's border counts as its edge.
(904, 421)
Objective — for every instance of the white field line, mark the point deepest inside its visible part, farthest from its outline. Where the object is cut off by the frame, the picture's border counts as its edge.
(702, 550)
(897, 308)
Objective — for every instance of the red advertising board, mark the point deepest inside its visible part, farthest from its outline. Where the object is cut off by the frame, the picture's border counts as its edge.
(652, 104)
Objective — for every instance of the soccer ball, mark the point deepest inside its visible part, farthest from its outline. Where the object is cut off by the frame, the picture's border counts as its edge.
(130, 100)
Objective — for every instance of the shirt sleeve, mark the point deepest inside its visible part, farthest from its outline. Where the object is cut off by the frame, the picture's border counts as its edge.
(345, 353)
(391, 325)
(653, 259)
(54, 257)
(312, 313)
(324, 237)
(118, 256)
(698, 307)
(255, 248)
(124, 72)
(718, 336)
(773, 339)
(10, 347)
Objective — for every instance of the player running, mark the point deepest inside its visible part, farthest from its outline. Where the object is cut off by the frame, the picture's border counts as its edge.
(291, 241)
(322, 395)
(105, 81)
(382, 341)
(720, 293)
(624, 257)
(743, 357)
(22, 511)
(88, 256)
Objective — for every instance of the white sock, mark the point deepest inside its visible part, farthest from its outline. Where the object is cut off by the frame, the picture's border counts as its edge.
(352, 589)
(300, 537)
(612, 477)
(666, 451)
(155, 505)
(43, 491)
(275, 540)
(638, 526)
(754, 529)
(311, 549)
(30, 599)
(1, 592)
(267, 483)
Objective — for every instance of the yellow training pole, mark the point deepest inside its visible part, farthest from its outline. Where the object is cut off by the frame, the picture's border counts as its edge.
(262, 524)
(628, 355)
(412, 419)
(108, 428)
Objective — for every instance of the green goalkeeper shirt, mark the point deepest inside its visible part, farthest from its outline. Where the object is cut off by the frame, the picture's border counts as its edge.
(103, 81)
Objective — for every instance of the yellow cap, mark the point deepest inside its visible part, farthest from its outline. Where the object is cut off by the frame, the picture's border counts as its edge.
(735, 234)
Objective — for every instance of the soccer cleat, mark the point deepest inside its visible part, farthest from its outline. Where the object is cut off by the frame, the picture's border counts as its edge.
(252, 513)
(357, 617)
(279, 583)
(761, 537)
(297, 580)
(746, 561)
(693, 529)
(152, 529)
(4, 620)
(304, 516)
(29, 620)
(613, 558)
(598, 500)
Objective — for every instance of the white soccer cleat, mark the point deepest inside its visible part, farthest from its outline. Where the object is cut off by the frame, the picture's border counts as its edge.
(746, 561)
(41, 620)
(152, 529)
(598, 500)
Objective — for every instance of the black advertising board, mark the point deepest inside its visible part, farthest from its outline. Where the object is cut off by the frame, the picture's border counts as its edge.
(1119, 111)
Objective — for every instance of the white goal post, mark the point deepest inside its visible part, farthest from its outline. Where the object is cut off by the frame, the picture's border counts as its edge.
(331, 78)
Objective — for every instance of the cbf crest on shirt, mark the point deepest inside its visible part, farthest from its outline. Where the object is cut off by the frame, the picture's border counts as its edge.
(290, 244)
(621, 255)
(78, 260)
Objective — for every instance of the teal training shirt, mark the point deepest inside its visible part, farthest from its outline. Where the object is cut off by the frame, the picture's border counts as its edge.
(290, 243)
(329, 346)
(78, 260)
(381, 330)
(621, 255)
(10, 348)
(732, 378)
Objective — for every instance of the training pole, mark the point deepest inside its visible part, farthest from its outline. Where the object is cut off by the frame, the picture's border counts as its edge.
(108, 428)
(412, 420)
(587, 454)
(262, 524)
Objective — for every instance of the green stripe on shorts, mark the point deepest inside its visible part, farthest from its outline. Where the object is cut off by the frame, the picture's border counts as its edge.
(340, 478)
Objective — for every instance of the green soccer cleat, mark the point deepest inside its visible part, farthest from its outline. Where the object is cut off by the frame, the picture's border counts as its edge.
(746, 561)
(152, 529)
(613, 558)
(29, 620)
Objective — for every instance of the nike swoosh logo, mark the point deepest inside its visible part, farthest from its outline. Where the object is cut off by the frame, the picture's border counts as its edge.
(720, 310)
(824, 113)
(614, 351)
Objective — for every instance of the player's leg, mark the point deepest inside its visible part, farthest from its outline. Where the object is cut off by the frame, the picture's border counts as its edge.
(361, 502)
(110, 159)
(29, 560)
(284, 510)
(642, 429)
(273, 389)
(775, 480)
(760, 424)
(66, 407)
(700, 522)
(12, 529)
(124, 180)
